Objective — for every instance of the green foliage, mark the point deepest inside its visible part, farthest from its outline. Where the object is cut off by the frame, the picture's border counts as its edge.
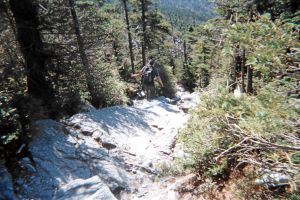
(294, 196)
(10, 127)
(295, 158)
(243, 10)
(211, 126)
(183, 14)
(217, 137)
(204, 55)
(168, 80)
(265, 42)
(174, 168)
(111, 90)
(188, 78)
(212, 49)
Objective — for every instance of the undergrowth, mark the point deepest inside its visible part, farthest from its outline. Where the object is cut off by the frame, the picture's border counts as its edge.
(226, 133)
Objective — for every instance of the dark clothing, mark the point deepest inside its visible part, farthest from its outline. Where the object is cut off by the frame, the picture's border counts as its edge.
(149, 87)
(149, 91)
(154, 73)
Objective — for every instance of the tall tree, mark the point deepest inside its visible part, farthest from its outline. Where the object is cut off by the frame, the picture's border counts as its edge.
(86, 65)
(26, 18)
(129, 35)
(144, 31)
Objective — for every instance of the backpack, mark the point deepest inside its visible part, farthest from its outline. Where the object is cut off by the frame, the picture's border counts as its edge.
(147, 76)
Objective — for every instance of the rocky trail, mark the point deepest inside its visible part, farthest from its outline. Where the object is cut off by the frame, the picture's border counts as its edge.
(111, 153)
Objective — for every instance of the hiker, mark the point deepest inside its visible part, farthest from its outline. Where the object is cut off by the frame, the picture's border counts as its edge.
(149, 74)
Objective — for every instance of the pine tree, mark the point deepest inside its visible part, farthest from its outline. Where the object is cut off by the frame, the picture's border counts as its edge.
(29, 37)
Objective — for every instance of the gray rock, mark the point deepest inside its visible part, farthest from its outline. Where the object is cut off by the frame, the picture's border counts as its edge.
(274, 179)
(65, 163)
(26, 164)
(193, 98)
(188, 101)
(106, 153)
(91, 189)
(175, 100)
(87, 133)
(162, 99)
(6, 186)
(87, 107)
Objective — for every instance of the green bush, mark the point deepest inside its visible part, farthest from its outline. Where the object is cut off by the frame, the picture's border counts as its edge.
(109, 87)
(189, 78)
(169, 81)
(294, 196)
(222, 121)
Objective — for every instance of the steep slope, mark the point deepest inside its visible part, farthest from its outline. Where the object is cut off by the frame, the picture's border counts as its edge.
(109, 153)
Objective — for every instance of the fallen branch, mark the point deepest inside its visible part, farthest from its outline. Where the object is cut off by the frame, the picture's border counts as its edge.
(278, 146)
(231, 148)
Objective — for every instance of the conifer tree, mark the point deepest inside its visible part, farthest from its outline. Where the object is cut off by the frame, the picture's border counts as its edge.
(125, 2)
(29, 37)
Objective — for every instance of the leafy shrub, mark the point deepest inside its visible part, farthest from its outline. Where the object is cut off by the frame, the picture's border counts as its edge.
(294, 196)
(109, 87)
(265, 42)
(169, 81)
(226, 131)
(189, 78)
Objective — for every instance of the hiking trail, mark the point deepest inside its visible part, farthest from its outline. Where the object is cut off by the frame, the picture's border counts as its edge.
(110, 153)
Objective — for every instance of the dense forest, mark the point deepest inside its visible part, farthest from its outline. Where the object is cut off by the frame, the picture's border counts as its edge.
(183, 14)
(58, 56)
(54, 55)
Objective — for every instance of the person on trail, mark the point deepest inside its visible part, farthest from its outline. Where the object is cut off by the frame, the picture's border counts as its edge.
(149, 74)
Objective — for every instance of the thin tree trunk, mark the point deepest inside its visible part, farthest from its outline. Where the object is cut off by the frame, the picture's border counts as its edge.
(86, 65)
(236, 69)
(185, 53)
(115, 49)
(26, 19)
(144, 40)
(204, 54)
(249, 81)
(211, 58)
(129, 36)
(243, 67)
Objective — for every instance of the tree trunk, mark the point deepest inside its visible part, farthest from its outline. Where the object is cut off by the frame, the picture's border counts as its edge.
(185, 53)
(26, 19)
(204, 55)
(144, 26)
(249, 81)
(129, 35)
(86, 65)
(243, 67)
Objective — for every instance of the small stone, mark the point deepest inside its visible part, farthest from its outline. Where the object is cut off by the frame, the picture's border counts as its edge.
(108, 146)
(87, 133)
(77, 126)
(25, 163)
